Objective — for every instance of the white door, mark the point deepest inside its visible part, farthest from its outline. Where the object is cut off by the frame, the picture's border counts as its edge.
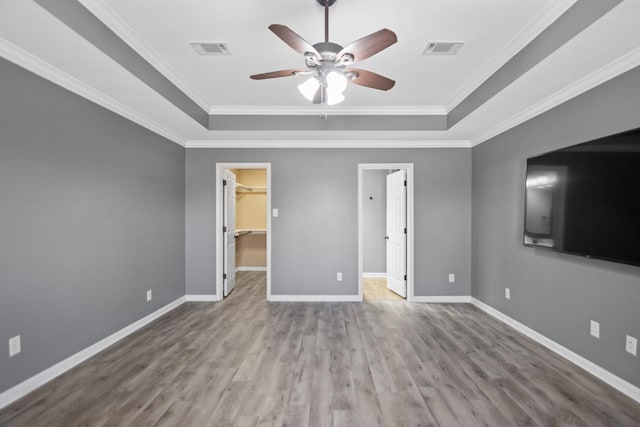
(229, 231)
(397, 233)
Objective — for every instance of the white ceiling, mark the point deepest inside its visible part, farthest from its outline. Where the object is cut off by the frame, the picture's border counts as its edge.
(166, 27)
(160, 31)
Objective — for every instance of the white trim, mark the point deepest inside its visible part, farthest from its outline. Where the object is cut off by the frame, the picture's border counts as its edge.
(375, 275)
(608, 72)
(201, 298)
(219, 238)
(47, 71)
(101, 10)
(319, 143)
(452, 299)
(315, 298)
(543, 20)
(249, 268)
(38, 380)
(613, 380)
(248, 110)
(410, 222)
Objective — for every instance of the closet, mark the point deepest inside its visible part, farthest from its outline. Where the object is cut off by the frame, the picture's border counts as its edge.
(251, 219)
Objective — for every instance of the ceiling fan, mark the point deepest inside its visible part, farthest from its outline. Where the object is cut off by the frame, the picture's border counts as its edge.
(328, 64)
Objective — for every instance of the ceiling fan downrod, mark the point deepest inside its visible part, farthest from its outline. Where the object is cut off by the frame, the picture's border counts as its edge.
(326, 4)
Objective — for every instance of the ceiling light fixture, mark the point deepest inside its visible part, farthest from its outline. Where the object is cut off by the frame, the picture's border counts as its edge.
(330, 88)
(327, 63)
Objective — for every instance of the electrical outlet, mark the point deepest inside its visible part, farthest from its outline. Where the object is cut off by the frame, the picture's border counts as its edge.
(15, 346)
(452, 278)
(149, 295)
(595, 329)
(507, 293)
(632, 345)
(274, 213)
(339, 277)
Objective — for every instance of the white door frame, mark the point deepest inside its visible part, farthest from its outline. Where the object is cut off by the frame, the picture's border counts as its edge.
(219, 215)
(410, 228)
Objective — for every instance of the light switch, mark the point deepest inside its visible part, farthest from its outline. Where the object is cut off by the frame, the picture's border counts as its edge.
(275, 213)
(15, 346)
(595, 329)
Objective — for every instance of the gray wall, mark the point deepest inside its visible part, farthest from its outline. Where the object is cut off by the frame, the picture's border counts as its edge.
(92, 216)
(374, 220)
(555, 294)
(315, 235)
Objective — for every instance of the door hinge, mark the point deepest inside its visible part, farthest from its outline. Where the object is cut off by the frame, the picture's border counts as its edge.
(224, 228)
(224, 182)
(405, 182)
(405, 230)
(405, 277)
(224, 276)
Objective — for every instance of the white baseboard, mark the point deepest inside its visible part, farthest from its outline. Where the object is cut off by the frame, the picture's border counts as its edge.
(30, 384)
(613, 380)
(315, 298)
(245, 268)
(452, 299)
(373, 275)
(201, 298)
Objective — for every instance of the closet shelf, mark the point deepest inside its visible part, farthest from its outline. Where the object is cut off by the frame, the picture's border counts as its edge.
(242, 231)
(241, 188)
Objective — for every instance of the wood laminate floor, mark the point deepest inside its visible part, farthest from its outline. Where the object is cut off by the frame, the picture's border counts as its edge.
(246, 362)
(375, 288)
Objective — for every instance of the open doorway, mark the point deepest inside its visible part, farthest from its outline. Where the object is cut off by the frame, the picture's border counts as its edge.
(243, 224)
(385, 231)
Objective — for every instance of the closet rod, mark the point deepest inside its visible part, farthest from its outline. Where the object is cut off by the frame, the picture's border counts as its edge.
(251, 188)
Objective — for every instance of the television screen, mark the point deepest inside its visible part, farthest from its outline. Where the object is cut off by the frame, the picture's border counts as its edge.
(585, 199)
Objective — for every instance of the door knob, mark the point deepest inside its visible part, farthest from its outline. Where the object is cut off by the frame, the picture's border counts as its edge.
(386, 237)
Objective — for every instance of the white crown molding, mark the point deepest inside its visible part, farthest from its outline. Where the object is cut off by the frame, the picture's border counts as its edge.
(613, 380)
(47, 71)
(202, 298)
(38, 380)
(429, 110)
(326, 144)
(452, 299)
(111, 19)
(315, 298)
(543, 20)
(598, 77)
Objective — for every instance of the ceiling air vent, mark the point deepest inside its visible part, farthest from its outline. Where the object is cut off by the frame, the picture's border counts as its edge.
(442, 48)
(211, 48)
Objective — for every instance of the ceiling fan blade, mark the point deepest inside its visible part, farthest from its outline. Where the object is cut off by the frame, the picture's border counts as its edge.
(370, 45)
(369, 79)
(296, 42)
(320, 95)
(281, 73)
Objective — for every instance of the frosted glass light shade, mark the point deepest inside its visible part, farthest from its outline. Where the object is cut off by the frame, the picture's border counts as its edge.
(309, 88)
(336, 82)
(334, 98)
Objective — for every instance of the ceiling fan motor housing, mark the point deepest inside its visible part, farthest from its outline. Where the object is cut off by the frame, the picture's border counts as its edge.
(328, 50)
(323, 2)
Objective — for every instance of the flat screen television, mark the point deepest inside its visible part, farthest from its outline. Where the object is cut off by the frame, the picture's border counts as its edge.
(585, 199)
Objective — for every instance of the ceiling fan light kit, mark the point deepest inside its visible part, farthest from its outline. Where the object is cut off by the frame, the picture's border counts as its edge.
(328, 63)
